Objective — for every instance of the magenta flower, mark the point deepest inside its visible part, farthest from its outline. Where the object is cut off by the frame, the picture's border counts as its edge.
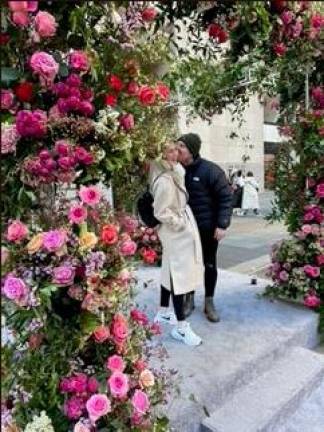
(63, 275)
(90, 195)
(54, 240)
(77, 214)
(118, 384)
(312, 271)
(78, 60)
(74, 407)
(320, 191)
(140, 402)
(311, 301)
(31, 124)
(78, 383)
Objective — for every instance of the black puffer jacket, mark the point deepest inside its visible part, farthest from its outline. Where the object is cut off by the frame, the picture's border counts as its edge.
(210, 196)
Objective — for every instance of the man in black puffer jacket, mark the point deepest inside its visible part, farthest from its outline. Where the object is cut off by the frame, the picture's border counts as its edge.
(210, 198)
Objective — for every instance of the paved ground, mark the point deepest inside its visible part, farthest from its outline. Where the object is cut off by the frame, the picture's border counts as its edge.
(249, 239)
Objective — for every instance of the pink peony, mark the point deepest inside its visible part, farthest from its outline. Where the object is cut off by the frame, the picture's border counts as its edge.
(90, 195)
(17, 231)
(45, 24)
(128, 248)
(15, 289)
(118, 384)
(78, 383)
(140, 402)
(31, 124)
(45, 66)
(65, 385)
(101, 334)
(63, 275)
(78, 60)
(54, 240)
(98, 406)
(126, 121)
(83, 156)
(119, 328)
(307, 229)
(115, 363)
(21, 19)
(320, 190)
(92, 385)
(139, 316)
(9, 138)
(7, 99)
(73, 408)
(312, 271)
(311, 301)
(77, 214)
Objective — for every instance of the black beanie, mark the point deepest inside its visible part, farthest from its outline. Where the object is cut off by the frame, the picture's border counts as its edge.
(192, 142)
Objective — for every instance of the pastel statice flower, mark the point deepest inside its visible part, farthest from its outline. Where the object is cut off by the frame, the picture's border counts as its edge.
(98, 406)
(77, 214)
(31, 124)
(9, 138)
(140, 402)
(118, 384)
(16, 231)
(90, 195)
(54, 240)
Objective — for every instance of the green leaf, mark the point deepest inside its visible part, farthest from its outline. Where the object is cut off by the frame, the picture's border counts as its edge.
(88, 322)
(63, 71)
(9, 75)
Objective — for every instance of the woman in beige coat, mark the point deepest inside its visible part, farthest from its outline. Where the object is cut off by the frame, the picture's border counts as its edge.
(182, 265)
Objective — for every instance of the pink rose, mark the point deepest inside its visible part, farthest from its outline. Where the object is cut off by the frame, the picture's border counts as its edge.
(78, 383)
(63, 275)
(136, 419)
(146, 95)
(320, 190)
(317, 20)
(15, 289)
(280, 49)
(21, 19)
(83, 156)
(139, 316)
(132, 88)
(115, 363)
(307, 229)
(284, 276)
(90, 195)
(126, 121)
(7, 99)
(92, 385)
(9, 138)
(287, 17)
(130, 224)
(311, 301)
(45, 24)
(101, 334)
(45, 66)
(81, 427)
(77, 214)
(149, 255)
(23, 6)
(17, 231)
(65, 385)
(140, 402)
(62, 147)
(320, 260)
(119, 328)
(73, 408)
(312, 271)
(31, 124)
(140, 365)
(78, 60)
(128, 248)
(54, 240)
(162, 91)
(316, 231)
(118, 384)
(86, 108)
(98, 406)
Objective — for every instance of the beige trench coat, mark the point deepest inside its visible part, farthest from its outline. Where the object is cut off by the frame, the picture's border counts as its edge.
(178, 232)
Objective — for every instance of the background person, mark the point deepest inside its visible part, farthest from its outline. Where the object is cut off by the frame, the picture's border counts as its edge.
(210, 198)
(182, 268)
(250, 199)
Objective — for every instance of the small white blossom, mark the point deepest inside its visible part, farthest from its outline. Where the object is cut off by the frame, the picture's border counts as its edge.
(40, 423)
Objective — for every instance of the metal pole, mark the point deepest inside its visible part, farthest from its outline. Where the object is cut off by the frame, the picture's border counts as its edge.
(307, 89)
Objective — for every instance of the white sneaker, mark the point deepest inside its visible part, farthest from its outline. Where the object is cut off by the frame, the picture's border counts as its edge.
(186, 335)
(167, 317)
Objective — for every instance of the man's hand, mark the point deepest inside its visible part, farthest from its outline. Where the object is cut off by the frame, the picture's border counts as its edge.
(219, 234)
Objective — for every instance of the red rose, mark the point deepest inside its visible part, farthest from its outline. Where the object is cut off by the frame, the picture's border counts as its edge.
(111, 100)
(163, 91)
(24, 91)
(278, 5)
(115, 83)
(101, 334)
(149, 14)
(109, 234)
(146, 95)
(215, 31)
(149, 255)
(280, 49)
(132, 88)
(4, 39)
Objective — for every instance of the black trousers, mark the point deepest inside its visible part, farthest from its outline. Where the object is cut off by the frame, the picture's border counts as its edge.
(209, 250)
(178, 302)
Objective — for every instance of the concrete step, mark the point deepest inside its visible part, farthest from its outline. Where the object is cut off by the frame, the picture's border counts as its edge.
(252, 335)
(268, 401)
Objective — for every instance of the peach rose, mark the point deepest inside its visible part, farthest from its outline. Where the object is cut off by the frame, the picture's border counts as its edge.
(88, 240)
(35, 244)
(146, 378)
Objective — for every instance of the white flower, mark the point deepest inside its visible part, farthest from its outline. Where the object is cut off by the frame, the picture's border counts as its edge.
(40, 423)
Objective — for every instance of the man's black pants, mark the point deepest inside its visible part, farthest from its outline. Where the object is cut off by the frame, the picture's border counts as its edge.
(209, 250)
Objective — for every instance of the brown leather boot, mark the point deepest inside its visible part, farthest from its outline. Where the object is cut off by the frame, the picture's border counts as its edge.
(210, 310)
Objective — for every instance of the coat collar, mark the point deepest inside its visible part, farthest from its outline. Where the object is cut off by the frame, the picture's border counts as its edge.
(194, 164)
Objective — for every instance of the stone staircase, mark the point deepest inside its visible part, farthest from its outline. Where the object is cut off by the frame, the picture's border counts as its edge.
(255, 370)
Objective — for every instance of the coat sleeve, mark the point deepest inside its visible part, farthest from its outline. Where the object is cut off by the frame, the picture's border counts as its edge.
(165, 204)
(223, 197)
